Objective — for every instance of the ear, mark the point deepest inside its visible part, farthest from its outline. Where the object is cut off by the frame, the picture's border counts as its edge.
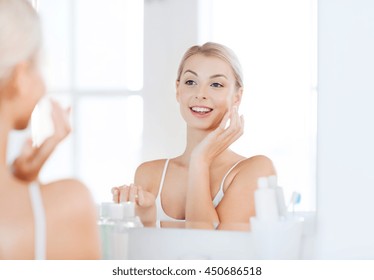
(177, 91)
(238, 96)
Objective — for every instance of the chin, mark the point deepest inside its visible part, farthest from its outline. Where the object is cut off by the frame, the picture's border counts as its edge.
(203, 126)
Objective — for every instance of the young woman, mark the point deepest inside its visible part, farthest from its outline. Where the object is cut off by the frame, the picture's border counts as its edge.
(208, 182)
(57, 220)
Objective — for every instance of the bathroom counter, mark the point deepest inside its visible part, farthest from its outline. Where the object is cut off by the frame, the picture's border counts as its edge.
(180, 240)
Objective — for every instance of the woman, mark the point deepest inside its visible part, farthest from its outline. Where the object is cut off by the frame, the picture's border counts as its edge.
(208, 182)
(56, 220)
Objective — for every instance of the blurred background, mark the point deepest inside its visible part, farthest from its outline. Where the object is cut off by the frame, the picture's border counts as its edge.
(115, 63)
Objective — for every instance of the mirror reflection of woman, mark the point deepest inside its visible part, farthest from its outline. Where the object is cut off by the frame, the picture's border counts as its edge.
(56, 220)
(208, 182)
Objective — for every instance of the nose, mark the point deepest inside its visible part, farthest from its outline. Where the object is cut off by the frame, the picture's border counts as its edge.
(201, 93)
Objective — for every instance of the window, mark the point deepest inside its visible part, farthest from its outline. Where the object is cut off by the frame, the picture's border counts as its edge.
(94, 63)
(276, 43)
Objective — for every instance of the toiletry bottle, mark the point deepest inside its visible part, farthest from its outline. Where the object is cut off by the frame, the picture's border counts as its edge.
(281, 204)
(265, 202)
(130, 220)
(110, 213)
(114, 224)
(127, 222)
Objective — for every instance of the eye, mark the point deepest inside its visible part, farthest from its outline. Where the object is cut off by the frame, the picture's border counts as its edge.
(190, 82)
(216, 85)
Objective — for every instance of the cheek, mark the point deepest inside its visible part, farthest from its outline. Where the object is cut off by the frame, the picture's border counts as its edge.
(183, 97)
(231, 98)
(224, 101)
(34, 92)
(40, 86)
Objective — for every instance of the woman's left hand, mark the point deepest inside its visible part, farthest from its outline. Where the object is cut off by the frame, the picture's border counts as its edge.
(28, 164)
(221, 138)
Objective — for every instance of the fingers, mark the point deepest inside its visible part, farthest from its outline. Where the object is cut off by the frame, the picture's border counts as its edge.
(115, 193)
(133, 193)
(141, 199)
(128, 193)
(224, 121)
(236, 126)
(120, 194)
(27, 149)
(60, 119)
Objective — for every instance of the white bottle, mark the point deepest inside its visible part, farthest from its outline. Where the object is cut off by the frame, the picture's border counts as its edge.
(115, 220)
(106, 223)
(282, 209)
(129, 219)
(121, 233)
(265, 202)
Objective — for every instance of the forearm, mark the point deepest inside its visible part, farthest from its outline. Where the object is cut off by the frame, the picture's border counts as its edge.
(28, 165)
(45, 150)
(147, 214)
(199, 205)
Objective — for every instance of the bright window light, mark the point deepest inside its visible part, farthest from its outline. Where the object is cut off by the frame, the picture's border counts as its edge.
(276, 44)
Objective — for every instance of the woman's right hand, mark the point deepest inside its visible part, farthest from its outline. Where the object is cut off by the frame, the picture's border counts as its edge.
(28, 164)
(134, 194)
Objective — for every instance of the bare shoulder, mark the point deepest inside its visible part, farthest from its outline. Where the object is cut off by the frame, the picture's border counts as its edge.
(238, 201)
(258, 162)
(71, 219)
(68, 199)
(149, 166)
(254, 167)
(148, 174)
(70, 190)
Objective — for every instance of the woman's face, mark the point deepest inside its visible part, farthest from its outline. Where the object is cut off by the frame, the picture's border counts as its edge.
(206, 91)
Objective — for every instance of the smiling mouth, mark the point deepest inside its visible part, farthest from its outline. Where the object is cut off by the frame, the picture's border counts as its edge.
(201, 110)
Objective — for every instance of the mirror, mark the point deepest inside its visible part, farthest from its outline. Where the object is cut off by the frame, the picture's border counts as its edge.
(124, 113)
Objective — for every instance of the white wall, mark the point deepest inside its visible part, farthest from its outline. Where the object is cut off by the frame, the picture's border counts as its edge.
(170, 28)
(345, 181)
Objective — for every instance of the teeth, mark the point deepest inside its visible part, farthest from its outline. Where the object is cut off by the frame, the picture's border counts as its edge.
(201, 109)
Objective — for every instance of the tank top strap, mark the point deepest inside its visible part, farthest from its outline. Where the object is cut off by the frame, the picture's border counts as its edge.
(39, 221)
(163, 177)
(161, 215)
(217, 199)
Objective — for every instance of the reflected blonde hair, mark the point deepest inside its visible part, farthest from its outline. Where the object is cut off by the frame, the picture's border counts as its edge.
(20, 35)
(215, 50)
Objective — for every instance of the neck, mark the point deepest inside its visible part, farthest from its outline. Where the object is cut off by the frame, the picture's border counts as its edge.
(194, 137)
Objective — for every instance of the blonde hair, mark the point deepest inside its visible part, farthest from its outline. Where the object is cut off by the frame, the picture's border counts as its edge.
(215, 50)
(20, 35)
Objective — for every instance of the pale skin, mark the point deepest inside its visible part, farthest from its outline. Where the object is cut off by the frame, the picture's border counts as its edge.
(207, 84)
(70, 213)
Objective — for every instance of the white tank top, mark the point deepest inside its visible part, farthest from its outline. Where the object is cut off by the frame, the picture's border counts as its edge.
(162, 216)
(39, 221)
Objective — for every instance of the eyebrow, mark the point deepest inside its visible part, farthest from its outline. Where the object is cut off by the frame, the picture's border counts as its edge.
(211, 77)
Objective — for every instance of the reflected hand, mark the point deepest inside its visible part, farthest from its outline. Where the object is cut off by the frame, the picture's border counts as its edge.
(221, 138)
(28, 164)
(134, 194)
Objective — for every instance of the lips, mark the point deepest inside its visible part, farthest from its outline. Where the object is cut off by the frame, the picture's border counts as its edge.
(201, 110)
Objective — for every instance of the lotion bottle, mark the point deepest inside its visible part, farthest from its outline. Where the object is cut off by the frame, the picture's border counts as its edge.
(282, 209)
(265, 202)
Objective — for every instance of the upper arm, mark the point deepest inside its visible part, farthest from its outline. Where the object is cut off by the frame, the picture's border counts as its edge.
(72, 230)
(148, 175)
(237, 204)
